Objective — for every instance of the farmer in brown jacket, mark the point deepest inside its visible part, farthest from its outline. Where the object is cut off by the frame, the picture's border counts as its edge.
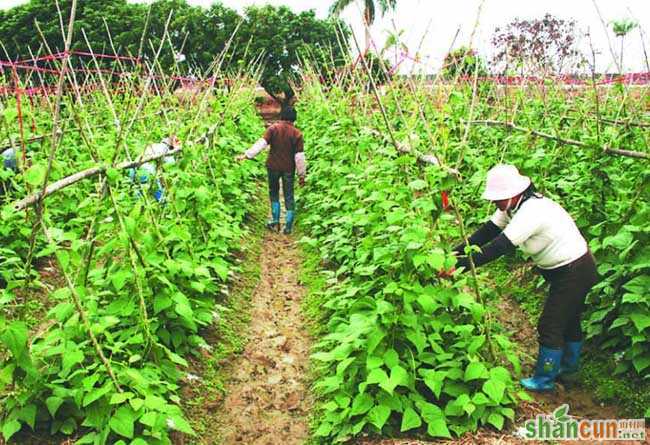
(286, 158)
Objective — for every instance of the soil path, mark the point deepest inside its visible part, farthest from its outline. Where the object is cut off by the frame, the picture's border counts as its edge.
(580, 400)
(516, 321)
(268, 398)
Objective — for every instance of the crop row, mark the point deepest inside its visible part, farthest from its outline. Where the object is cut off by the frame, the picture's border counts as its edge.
(403, 351)
(144, 278)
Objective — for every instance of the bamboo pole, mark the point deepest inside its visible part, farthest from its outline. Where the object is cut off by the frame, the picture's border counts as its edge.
(628, 153)
(56, 136)
(615, 151)
(428, 159)
(75, 121)
(72, 179)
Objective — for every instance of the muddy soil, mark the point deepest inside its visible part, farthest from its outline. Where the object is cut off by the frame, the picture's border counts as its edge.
(268, 397)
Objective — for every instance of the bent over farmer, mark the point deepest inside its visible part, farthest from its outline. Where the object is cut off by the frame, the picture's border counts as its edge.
(286, 158)
(9, 164)
(147, 171)
(547, 233)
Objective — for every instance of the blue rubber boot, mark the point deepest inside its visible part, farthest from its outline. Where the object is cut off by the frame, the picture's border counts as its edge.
(159, 193)
(546, 370)
(571, 358)
(288, 222)
(274, 224)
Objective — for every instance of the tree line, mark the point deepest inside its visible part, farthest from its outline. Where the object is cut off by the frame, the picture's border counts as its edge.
(277, 34)
(280, 36)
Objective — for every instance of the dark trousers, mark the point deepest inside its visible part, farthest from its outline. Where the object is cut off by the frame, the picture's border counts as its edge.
(287, 187)
(569, 286)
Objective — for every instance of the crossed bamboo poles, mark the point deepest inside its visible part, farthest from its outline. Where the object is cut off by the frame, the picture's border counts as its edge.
(394, 88)
(158, 83)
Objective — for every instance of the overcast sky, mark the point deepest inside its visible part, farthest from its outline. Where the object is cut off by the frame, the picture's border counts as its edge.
(437, 22)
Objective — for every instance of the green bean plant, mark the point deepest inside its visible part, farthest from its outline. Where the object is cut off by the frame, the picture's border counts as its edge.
(145, 278)
(402, 350)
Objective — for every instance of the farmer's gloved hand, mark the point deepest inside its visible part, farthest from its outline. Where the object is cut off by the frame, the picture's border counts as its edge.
(241, 157)
(301, 181)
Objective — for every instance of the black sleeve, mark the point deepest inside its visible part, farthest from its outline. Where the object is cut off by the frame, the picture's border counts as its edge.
(486, 233)
(500, 246)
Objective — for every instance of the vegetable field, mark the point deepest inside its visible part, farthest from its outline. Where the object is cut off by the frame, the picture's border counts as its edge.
(403, 351)
(142, 301)
(106, 290)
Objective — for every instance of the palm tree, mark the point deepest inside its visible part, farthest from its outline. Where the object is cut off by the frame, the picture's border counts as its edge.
(394, 41)
(621, 28)
(368, 11)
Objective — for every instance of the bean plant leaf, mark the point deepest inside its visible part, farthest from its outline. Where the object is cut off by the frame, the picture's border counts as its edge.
(378, 415)
(35, 174)
(377, 375)
(475, 370)
(496, 420)
(410, 420)
(434, 380)
(122, 421)
(10, 427)
(28, 414)
(494, 389)
(361, 404)
(436, 421)
(53, 403)
(641, 321)
(641, 362)
(178, 423)
(14, 337)
(398, 376)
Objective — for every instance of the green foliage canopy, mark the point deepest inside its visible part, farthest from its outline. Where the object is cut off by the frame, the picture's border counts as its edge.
(464, 62)
(284, 38)
(280, 35)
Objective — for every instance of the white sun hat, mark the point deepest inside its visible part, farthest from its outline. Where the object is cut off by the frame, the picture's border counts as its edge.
(504, 182)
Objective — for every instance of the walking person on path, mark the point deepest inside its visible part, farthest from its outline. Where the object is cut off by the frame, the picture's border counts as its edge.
(286, 158)
(547, 233)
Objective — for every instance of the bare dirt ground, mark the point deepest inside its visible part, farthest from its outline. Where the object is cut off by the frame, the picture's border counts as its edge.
(268, 398)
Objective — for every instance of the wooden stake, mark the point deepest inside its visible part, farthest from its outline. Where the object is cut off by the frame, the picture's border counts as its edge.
(72, 179)
(615, 151)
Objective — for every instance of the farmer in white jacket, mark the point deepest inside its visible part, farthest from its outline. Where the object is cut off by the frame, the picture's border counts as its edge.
(286, 158)
(147, 171)
(9, 162)
(547, 233)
